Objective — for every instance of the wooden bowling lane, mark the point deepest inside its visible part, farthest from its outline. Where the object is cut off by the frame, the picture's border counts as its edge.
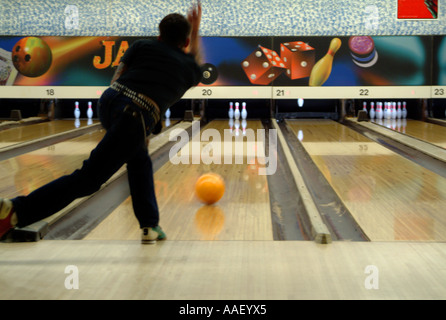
(242, 214)
(222, 270)
(389, 196)
(425, 131)
(22, 134)
(22, 174)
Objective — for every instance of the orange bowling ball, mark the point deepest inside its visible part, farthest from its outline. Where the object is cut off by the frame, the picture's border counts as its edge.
(210, 188)
(31, 56)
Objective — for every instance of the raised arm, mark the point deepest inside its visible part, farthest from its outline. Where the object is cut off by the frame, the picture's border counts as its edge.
(194, 17)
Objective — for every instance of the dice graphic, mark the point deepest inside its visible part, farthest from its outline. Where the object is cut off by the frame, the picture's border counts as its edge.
(298, 58)
(263, 65)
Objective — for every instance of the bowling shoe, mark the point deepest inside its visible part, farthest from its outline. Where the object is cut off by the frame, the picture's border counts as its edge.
(151, 235)
(7, 216)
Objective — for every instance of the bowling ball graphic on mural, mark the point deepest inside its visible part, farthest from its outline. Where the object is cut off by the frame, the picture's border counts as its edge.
(209, 72)
(31, 57)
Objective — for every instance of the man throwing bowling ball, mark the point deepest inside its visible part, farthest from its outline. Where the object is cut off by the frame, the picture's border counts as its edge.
(152, 76)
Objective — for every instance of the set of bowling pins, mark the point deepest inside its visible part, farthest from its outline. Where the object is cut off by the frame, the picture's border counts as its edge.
(237, 113)
(234, 117)
(77, 112)
(392, 110)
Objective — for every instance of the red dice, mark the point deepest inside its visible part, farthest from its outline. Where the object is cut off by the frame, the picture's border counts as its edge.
(263, 65)
(298, 58)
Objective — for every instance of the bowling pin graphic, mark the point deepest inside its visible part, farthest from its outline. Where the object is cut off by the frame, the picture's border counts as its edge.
(89, 111)
(77, 112)
(244, 113)
(237, 111)
(231, 110)
(322, 69)
(372, 110)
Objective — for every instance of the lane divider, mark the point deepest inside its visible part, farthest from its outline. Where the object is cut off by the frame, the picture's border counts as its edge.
(319, 230)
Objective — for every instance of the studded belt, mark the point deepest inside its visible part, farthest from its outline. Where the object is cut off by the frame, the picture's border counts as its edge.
(139, 99)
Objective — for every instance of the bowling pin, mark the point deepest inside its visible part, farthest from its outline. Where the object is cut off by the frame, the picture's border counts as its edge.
(231, 124)
(167, 113)
(237, 127)
(244, 124)
(379, 111)
(398, 112)
(300, 135)
(393, 114)
(322, 69)
(387, 112)
(231, 110)
(89, 111)
(404, 112)
(300, 102)
(77, 112)
(393, 124)
(364, 106)
(244, 113)
(372, 110)
(237, 111)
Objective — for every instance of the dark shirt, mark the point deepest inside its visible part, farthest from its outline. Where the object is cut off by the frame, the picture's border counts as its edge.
(160, 71)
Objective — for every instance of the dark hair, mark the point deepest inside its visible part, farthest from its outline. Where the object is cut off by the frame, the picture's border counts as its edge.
(174, 29)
